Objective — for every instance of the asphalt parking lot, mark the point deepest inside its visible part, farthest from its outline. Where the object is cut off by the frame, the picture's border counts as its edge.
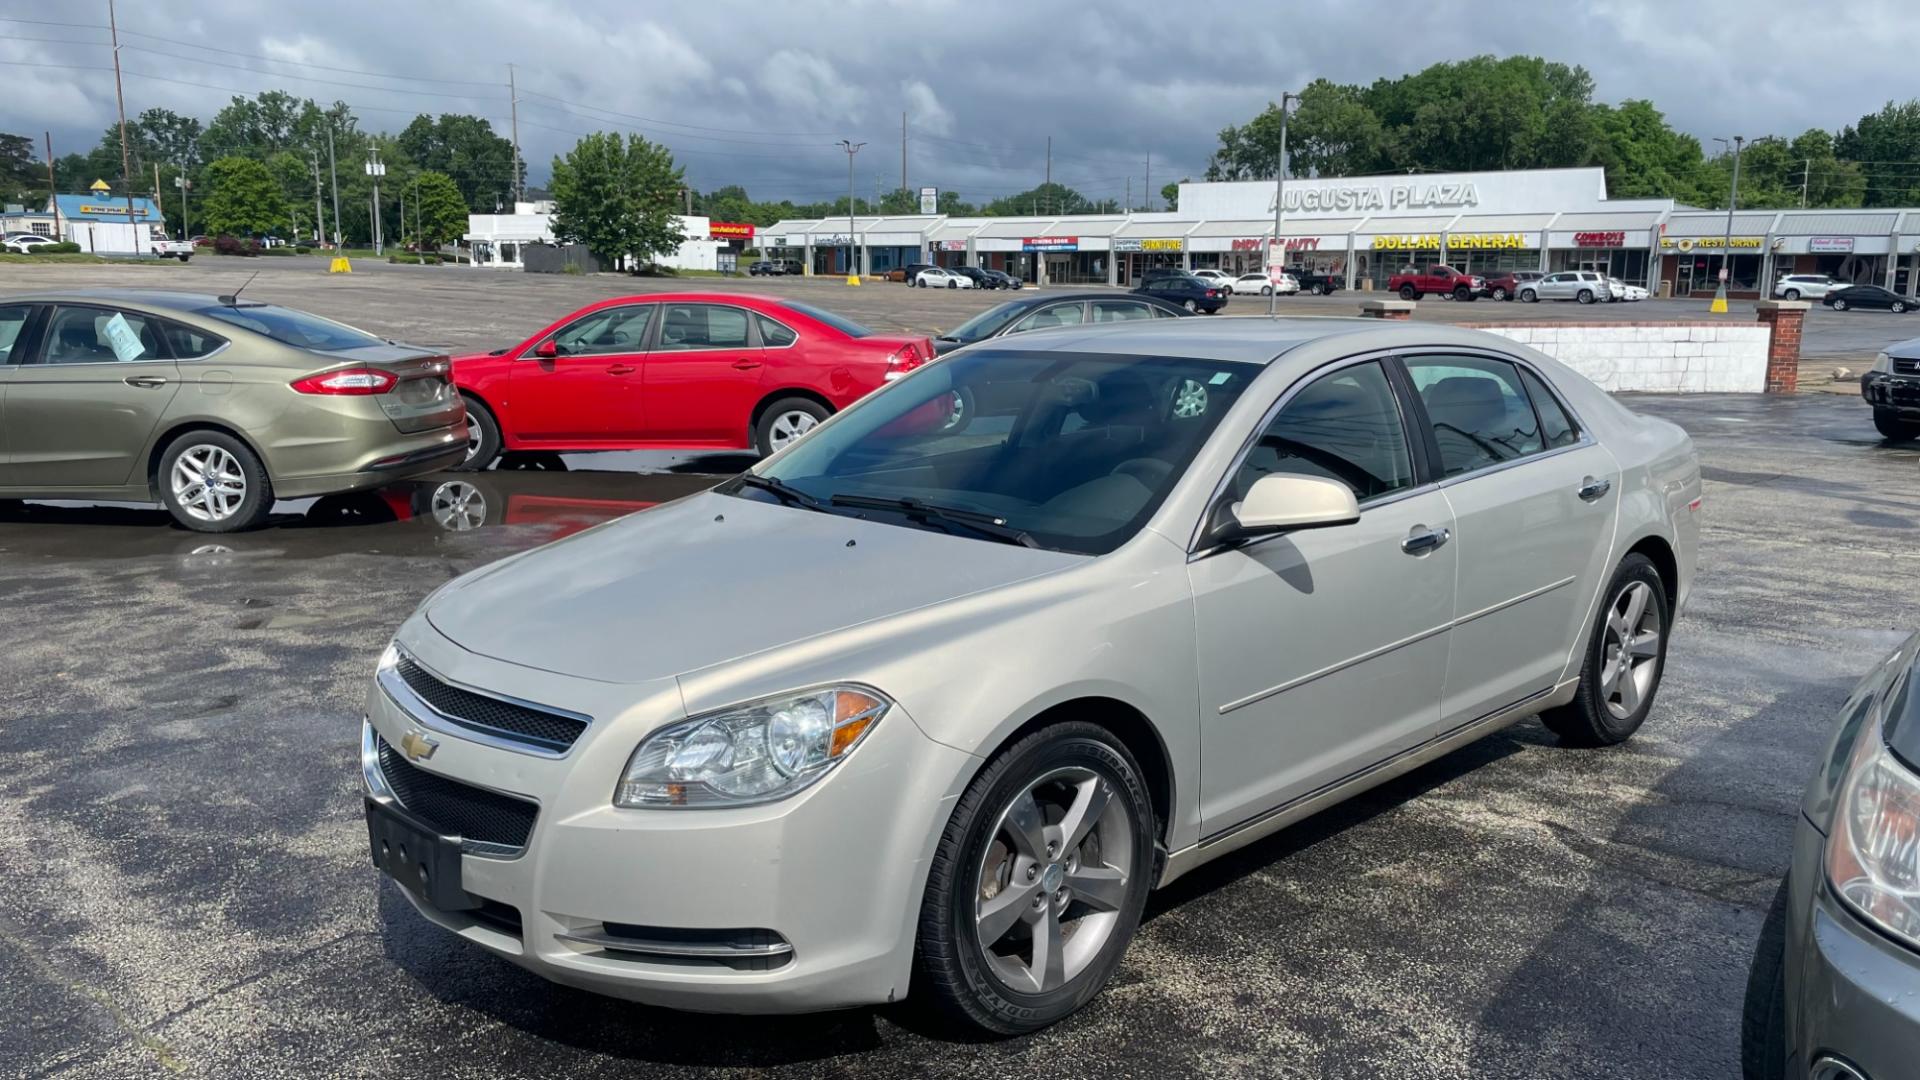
(184, 887)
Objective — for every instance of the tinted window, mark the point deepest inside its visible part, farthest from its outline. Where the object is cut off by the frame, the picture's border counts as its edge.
(1119, 311)
(290, 327)
(189, 343)
(1051, 315)
(703, 326)
(1480, 414)
(1346, 427)
(987, 323)
(606, 332)
(773, 335)
(13, 320)
(85, 335)
(827, 318)
(1554, 424)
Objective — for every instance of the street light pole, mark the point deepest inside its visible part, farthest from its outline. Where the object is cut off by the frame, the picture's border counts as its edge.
(376, 170)
(1726, 243)
(853, 267)
(1276, 245)
(186, 219)
(333, 170)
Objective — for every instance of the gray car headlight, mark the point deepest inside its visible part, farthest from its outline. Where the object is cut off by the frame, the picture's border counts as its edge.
(1882, 364)
(754, 752)
(1873, 853)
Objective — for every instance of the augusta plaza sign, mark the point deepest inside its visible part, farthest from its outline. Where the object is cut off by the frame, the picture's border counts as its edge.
(1339, 198)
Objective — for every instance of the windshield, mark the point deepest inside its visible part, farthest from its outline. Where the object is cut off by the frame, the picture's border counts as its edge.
(821, 315)
(1075, 449)
(290, 327)
(987, 323)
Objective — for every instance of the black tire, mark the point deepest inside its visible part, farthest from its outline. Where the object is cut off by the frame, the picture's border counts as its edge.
(1587, 719)
(1266, 290)
(1408, 292)
(953, 284)
(1763, 1017)
(763, 430)
(949, 969)
(1791, 294)
(1586, 296)
(1192, 307)
(1899, 307)
(1500, 293)
(1528, 296)
(254, 505)
(487, 448)
(1463, 294)
(1895, 427)
(184, 258)
(1839, 305)
(1323, 290)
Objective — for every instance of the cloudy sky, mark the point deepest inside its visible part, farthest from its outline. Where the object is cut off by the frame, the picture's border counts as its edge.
(759, 92)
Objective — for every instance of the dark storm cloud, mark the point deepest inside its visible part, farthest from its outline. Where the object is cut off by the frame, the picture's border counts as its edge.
(758, 93)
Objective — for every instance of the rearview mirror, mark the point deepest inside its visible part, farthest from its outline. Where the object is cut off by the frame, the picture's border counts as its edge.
(1285, 503)
(546, 350)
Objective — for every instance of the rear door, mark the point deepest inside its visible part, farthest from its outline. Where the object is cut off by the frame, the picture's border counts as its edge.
(703, 376)
(79, 413)
(589, 390)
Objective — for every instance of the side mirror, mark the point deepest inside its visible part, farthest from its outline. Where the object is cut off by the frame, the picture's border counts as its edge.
(546, 350)
(1284, 503)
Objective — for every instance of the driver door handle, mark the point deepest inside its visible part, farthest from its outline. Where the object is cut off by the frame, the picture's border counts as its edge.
(1591, 489)
(147, 381)
(1423, 540)
(745, 365)
(621, 369)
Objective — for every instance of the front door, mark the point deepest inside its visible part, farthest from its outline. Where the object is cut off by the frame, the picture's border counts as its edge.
(79, 414)
(1324, 650)
(1533, 499)
(703, 376)
(588, 391)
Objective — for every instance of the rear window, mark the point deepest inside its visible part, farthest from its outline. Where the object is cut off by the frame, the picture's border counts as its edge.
(821, 315)
(290, 327)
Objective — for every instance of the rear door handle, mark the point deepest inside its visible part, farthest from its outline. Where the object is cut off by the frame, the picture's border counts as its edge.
(621, 369)
(147, 381)
(1591, 489)
(1423, 540)
(745, 365)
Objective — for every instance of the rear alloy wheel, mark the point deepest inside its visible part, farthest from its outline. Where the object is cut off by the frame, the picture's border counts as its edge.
(786, 420)
(1038, 882)
(1266, 290)
(1528, 296)
(1626, 655)
(483, 437)
(1500, 293)
(1899, 307)
(1791, 294)
(1839, 305)
(1895, 427)
(457, 506)
(211, 482)
(1192, 308)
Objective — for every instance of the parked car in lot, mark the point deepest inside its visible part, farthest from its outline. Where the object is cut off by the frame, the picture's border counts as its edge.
(1868, 296)
(1219, 279)
(908, 273)
(935, 277)
(766, 268)
(980, 278)
(1834, 989)
(1441, 280)
(1004, 280)
(1625, 292)
(1585, 286)
(1892, 387)
(25, 243)
(1185, 290)
(1046, 310)
(722, 371)
(1201, 582)
(1262, 283)
(1506, 284)
(1315, 282)
(211, 406)
(1805, 286)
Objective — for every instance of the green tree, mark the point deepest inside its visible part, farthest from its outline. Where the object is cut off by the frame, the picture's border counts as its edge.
(1047, 198)
(438, 208)
(1170, 193)
(242, 198)
(466, 149)
(618, 198)
(21, 173)
(1886, 146)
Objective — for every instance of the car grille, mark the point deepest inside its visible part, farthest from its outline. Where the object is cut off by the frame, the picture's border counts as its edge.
(1906, 366)
(488, 822)
(490, 715)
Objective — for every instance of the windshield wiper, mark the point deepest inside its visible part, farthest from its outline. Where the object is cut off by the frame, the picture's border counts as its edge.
(988, 525)
(782, 490)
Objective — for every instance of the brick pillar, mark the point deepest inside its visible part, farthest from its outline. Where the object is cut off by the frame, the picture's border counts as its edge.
(1783, 319)
(1387, 309)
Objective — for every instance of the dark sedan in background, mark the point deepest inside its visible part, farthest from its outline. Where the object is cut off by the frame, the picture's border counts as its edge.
(1834, 991)
(1868, 296)
(1185, 290)
(1045, 310)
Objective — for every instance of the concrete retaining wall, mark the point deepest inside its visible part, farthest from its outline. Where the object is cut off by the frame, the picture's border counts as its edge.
(1719, 357)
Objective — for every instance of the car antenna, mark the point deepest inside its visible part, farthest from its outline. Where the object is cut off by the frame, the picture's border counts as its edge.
(233, 300)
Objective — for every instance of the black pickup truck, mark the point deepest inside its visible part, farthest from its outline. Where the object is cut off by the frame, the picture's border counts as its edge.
(1315, 282)
(1893, 389)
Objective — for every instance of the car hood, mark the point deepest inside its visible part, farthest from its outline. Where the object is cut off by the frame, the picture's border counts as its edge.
(709, 579)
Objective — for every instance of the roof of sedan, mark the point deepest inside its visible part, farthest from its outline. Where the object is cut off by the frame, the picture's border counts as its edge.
(153, 298)
(1243, 339)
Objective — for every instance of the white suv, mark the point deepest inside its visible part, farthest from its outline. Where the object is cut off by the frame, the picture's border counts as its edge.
(1810, 286)
(1586, 286)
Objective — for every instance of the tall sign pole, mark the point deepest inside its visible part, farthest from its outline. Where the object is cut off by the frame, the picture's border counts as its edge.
(53, 191)
(853, 266)
(333, 169)
(519, 192)
(376, 170)
(1277, 248)
(1719, 306)
(120, 98)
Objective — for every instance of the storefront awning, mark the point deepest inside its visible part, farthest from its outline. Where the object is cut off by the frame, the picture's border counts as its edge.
(1607, 222)
(1910, 228)
(1155, 225)
(1715, 224)
(1388, 225)
(1015, 228)
(1836, 224)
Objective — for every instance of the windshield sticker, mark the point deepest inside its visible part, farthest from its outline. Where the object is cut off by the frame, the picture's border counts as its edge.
(126, 343)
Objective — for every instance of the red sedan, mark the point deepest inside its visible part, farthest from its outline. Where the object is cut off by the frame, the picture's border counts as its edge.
(720, 371)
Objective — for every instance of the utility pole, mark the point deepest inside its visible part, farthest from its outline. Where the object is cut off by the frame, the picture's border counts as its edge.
(1048, 185)
(1804, 177)
(157, 203)
(519, 193)
(334, 170)
(853, 268)
(1129, 194)
(1277, 247)
(376, 170)
(403, 217)
(53, 191)
(120, 98)
(1719, 305)
(1146, 183)
(186, 202)
(903, 151)
(319, 219)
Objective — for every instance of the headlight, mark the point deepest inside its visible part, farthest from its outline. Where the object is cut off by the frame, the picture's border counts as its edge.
(388, 659)
(1882, 364)
(754, 752)
(1873, 854)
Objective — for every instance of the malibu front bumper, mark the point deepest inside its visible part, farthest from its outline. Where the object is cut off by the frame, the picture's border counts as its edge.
(1884, 391)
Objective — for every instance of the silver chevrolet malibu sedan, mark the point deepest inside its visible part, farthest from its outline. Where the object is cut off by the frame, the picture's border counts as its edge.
(929, 701)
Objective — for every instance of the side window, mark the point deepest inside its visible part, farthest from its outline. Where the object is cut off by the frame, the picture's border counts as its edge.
(13, 323)
(88, 335)
(1119, 311)
(773, 335)
(606, 332)
(1051, 315)
(1344, 427)
(189, 343)
(1480, 413)
(1557, 429)
(703, 326)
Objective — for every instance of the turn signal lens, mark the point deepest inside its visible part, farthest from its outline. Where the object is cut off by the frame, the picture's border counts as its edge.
(755, 752)
(904, 359)
(348, 381)
(1873, 854)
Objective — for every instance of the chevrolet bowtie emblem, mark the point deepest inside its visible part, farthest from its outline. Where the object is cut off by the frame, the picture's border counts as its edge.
(417, 747)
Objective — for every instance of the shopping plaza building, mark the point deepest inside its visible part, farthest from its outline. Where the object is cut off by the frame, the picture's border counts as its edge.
(1368, 228)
